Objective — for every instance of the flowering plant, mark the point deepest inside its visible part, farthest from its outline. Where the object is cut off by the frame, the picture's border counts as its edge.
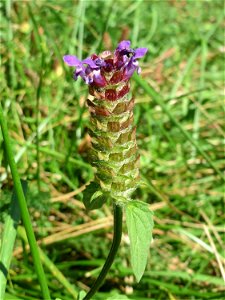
(114, 149)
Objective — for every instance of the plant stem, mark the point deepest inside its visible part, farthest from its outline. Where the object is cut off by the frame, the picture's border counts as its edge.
(23, 208)
(118, 221)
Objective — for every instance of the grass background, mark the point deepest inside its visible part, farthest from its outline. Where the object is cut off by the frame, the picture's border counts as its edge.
(184, 66)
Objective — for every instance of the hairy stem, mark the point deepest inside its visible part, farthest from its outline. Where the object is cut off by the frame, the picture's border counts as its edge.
(23, 208)
(118, 220)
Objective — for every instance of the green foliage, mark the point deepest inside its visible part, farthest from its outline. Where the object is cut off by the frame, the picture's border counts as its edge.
(139, 224)
(11, 297)
(117, 297)
(81, 295)
(8, 238)
(5, 197)
(93, 197)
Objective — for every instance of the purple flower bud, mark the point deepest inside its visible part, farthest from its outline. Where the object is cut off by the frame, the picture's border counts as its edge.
(88, 61)
(100, 62)
(98, 79)
(130, 68)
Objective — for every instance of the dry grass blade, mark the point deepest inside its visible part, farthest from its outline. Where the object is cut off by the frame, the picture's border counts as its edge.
(215, 252)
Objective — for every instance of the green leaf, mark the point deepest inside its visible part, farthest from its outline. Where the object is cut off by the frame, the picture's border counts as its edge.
(11, 297)
(139, 221)
(9, 237)
(117, 297)
(93, 197)
(81, 295)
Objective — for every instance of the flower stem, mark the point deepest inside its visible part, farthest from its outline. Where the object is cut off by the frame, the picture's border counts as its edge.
(23, 208)
(118, 220)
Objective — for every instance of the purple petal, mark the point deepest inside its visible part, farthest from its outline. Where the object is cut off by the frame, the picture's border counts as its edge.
(130, 68)
(140, 52)
(71, 60)
(98, 79)
(100, 62)
(78, 73)
(121, 60)
(123, 45)
(75, 75)
(88, 79)
(89, 62)
(139, 70)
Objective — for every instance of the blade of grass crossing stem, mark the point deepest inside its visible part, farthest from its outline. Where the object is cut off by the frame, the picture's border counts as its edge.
(38, 37)
(184, 291)
(107, 21)
(8, 239)
(188, 67)
(38, 95)
(77, 133)
(11, 297)
(197, 114)
(51, 267)
(136, 27)
(60, 156)
(23, 208)
(156, 97)
(81, 29)
(10, 43)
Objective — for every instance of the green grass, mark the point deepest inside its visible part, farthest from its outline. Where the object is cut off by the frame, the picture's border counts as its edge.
(179, 116)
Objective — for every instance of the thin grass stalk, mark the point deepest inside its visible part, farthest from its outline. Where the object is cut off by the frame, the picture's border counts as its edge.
(38, 95)
(23, 208)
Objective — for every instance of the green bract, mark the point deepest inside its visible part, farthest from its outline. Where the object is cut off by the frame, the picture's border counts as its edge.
(114, 150)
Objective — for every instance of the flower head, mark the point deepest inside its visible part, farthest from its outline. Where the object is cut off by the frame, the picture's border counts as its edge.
(107, 68)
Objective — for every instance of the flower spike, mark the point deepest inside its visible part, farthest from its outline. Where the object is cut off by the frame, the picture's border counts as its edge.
(114, 153)
(114, 147)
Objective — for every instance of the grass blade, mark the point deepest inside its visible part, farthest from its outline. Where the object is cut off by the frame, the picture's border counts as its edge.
(8, 239)
(52, 267)
(23, 208)
(157, 98)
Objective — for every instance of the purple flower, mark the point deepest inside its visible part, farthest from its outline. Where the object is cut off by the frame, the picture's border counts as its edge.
(140, 52)
(123, 48)
(90, 73)
(95, 69)
(123, 45)
(130, 57)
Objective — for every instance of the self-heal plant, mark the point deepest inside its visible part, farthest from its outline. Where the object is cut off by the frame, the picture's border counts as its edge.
(114, 149)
